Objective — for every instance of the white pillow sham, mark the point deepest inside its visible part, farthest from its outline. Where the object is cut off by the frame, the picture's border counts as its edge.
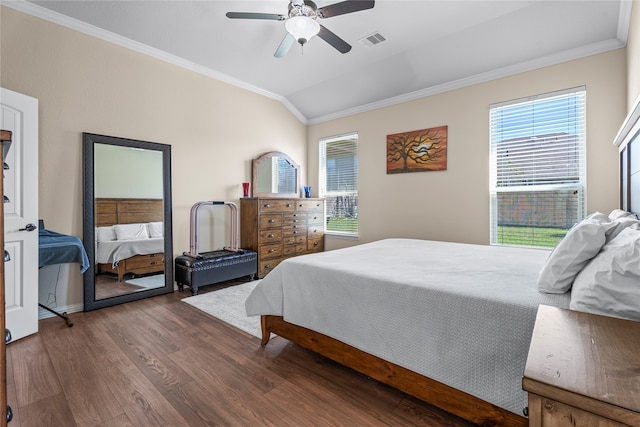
(155, 229)
(581, 243)
(610, 283)
(619, 213)
(105, 234)
(131, 231)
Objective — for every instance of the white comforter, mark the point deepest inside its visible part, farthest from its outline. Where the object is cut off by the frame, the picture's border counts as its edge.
(460, 314)
(112, 252)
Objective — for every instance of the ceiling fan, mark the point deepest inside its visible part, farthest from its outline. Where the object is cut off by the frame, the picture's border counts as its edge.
(301, 22)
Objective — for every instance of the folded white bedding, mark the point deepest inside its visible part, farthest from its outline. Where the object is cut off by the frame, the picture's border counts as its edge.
(460, 314)
(112, 252)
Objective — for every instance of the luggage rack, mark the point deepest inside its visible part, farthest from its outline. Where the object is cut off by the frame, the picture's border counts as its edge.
(197, 269)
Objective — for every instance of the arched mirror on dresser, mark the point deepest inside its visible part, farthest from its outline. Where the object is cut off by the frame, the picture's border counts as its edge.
(127, 220)
(275, 174)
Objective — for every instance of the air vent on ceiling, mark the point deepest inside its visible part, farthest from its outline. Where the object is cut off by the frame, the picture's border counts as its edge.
(373, 39)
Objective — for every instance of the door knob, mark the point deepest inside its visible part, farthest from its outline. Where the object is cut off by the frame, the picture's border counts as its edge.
(28, 227)
(7, 336)
(7, 257)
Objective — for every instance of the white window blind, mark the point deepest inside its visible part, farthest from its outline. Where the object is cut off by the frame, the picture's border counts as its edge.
(339, 183)
(538, 170)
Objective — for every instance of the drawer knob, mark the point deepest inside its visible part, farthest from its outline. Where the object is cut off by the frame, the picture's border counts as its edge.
(315, 243)
(271, 250)
(271, 235)
(288, 205)
(267, 266)
(267, 205)
(272, 221)
(295, 232)
(153, 263)
(295, 220)
(301, 205)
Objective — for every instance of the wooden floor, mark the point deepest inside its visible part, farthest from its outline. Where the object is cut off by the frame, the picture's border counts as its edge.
(160, 362)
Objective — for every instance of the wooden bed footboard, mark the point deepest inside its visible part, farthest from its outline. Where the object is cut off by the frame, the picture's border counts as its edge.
(433, 392)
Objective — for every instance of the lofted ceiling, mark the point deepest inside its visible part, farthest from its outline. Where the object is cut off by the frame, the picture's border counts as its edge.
(430, 46)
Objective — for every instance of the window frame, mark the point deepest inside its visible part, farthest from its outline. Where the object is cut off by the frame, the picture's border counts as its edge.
(322, 182)
(565, 183)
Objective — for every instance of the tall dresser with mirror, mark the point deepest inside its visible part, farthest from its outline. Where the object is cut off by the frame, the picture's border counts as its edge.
(279, 228)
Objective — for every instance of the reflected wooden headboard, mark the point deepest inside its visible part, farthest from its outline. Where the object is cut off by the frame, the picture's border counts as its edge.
(127, 211)
(628, 141)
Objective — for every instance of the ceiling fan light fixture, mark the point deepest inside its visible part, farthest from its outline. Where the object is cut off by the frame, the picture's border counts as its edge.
(302, 28)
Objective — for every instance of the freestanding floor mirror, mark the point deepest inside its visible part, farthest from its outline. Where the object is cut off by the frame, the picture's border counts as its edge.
(127, 220)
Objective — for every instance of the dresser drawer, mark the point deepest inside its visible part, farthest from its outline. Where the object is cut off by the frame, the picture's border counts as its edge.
(265, 266)
(270, 251)
(315, 218)
(315, 245)
(141, 261)
(270, 221)
(308, 205)
(271, 206)
(269, 237)
(295, 219)
(315, 232)
(292, 239)
(295, 249)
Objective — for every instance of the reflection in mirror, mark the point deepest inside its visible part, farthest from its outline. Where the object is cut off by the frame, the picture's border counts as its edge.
(127, 222)
(275, 174)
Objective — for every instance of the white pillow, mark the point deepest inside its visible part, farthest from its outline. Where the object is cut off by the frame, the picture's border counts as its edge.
(155, 229)
(619, 213)
(105, 234)
(131, 231)
(620, 224)
(610, 283)
(581, 243)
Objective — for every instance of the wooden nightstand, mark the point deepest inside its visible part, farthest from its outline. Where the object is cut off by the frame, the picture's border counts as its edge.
(583, 370)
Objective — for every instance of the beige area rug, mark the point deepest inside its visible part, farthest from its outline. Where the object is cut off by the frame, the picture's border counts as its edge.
(228, 305)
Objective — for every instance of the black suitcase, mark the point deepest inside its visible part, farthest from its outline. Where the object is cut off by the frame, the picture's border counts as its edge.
(196, 269)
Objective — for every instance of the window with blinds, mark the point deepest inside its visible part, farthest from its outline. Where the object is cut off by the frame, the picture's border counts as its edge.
(339, 183)
(538, 168)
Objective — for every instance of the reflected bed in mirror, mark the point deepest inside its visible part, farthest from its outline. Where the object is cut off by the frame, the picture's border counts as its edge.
(275, 174)
(127, 220)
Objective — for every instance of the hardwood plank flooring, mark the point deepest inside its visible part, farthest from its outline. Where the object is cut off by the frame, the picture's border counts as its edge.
(160, 362)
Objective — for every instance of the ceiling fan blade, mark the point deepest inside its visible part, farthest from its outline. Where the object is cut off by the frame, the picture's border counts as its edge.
(348, 6)
(285, 45)
(251, 15)
(335, 41)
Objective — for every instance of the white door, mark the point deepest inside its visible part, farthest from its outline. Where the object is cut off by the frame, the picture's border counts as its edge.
(19, 114)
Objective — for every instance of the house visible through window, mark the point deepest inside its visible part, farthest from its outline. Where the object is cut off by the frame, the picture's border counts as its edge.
(339, 183)
(538, 171)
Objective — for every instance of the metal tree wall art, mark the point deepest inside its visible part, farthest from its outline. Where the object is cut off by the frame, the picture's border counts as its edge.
(418, 150)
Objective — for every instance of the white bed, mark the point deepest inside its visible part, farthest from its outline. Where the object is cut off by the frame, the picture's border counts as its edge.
(114, 251)
(451, 323)
(470, 331)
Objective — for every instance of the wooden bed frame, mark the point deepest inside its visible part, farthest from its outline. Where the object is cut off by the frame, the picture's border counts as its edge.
(454, 401)
(111, 211)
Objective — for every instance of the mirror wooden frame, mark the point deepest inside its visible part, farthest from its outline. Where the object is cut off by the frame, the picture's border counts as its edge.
(88, 142)
(267, 157)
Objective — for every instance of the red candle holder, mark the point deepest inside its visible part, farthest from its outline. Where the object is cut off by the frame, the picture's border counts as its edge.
(245, 189)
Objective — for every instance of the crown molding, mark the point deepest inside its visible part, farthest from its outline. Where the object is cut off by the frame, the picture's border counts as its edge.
(499, 73)
(624, 18)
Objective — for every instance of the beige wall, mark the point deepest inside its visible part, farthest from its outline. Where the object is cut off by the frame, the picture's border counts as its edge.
(453, 205)
(88, 85)
(633, 55)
